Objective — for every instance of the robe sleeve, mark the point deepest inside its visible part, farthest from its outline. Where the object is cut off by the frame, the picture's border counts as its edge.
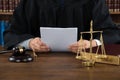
(103, 21)
(17, 31)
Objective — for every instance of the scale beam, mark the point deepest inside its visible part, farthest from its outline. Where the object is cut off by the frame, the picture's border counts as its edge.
(89, 58)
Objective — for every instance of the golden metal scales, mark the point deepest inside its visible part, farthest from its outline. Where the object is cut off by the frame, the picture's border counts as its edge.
(89, 58)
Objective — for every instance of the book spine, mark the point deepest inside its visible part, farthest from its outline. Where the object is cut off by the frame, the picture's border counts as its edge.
(3, 26)
(113, 5)
(1, 5)
(10, 5)
(1, 33)
(118, 5)
(5, 5)
(110, 5)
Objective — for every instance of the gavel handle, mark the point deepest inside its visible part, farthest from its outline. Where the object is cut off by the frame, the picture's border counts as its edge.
(6, 51)
(10, 51)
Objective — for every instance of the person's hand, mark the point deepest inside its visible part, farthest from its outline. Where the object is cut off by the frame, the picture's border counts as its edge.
(81, 44)
(37, 45)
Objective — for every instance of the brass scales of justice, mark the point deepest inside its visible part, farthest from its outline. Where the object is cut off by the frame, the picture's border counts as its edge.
(89, 58)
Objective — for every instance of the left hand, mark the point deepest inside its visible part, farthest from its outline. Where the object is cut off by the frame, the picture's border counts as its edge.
(37, 45)
(84, 45)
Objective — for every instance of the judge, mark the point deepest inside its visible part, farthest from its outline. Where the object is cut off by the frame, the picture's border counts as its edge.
(30, 15)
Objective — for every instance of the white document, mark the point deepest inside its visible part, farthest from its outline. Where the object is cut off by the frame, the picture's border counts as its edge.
(58, 39)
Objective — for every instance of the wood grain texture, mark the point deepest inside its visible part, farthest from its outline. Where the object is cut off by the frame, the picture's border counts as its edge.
(58, 66)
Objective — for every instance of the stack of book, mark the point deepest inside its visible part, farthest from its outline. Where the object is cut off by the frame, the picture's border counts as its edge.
(8, 5)
(3, 26)
(114, 5)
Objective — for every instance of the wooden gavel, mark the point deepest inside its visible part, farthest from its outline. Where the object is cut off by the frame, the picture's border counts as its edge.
(18, 54)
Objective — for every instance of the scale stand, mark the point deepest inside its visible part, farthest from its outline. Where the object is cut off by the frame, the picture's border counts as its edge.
(89, 58)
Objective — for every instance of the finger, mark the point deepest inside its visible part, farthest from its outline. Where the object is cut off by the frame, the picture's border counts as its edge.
(35, 48)
(38, 48)
(73, 49)
(38, 45)
(44, 48)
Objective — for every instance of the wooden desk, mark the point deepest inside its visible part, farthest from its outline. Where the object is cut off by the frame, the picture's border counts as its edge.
(58, 66)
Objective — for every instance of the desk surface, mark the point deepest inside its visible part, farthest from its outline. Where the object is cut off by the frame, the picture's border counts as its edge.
(58, 66)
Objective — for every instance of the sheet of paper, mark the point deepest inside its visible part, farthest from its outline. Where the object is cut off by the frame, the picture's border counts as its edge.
(58, 39)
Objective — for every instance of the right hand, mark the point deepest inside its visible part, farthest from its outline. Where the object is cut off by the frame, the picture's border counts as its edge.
(84, 45)
(37, 45)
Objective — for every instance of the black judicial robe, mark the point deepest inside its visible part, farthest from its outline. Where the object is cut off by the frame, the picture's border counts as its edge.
(32, 14)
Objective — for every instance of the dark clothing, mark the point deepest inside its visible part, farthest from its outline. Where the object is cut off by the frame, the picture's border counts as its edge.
(31, 14)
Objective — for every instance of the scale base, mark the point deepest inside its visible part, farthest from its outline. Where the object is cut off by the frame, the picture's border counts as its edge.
(107, 59)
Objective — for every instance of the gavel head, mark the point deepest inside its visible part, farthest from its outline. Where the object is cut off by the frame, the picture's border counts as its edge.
(19, 50)
(19, 55)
